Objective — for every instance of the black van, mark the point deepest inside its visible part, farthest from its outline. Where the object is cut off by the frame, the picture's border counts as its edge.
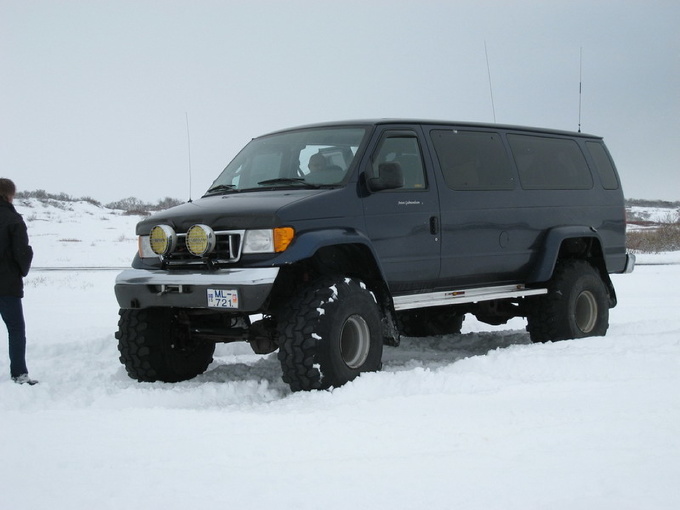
(327, 241)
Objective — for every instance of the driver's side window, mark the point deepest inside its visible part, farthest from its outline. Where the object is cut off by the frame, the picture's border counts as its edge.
(405, 152)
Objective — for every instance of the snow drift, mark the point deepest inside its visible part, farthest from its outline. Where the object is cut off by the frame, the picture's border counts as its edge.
(483, 420)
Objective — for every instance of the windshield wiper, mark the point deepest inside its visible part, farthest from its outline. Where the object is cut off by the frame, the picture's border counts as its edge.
(220, 188)
(290, 182)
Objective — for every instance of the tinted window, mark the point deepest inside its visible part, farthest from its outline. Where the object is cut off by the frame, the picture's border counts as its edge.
(550, 163)
(604, 165)
(472, 160)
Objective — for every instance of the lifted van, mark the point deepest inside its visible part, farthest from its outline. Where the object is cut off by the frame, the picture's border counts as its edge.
(327, 241)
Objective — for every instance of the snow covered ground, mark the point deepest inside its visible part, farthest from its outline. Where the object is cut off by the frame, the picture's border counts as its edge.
(654, 214)
(485, 420)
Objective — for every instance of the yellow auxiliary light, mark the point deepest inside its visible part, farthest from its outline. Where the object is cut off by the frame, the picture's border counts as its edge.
(162, 239)
(200, 240)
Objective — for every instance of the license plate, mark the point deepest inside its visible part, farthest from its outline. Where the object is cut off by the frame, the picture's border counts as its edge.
(220, 298)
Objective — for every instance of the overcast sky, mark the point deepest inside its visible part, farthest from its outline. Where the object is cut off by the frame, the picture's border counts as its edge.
(94, 95)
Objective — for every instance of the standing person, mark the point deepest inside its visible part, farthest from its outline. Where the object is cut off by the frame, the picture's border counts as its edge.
(15, 261)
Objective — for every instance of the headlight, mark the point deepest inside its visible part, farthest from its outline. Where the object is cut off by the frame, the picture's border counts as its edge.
(200, 240)
(144, 248)
(268, 240)
(162, 239)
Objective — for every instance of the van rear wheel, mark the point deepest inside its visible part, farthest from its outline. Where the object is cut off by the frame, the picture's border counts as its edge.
(576, 306)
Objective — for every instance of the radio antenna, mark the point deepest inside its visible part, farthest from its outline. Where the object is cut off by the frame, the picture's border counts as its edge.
(186, 114)
(580, 83)
(488, 71)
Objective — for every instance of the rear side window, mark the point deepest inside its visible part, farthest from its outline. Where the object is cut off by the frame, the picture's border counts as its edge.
(472, 160)
(604, 165)
(550, 163)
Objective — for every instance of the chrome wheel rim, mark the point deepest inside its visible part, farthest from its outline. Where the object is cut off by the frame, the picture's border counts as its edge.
(355, 341)
(585, 312)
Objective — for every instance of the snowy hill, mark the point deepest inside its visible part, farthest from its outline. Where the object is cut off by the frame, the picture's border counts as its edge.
(485, 420)
(654, 215)
(78, 233)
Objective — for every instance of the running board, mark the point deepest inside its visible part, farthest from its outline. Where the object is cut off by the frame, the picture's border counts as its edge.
(454, 297)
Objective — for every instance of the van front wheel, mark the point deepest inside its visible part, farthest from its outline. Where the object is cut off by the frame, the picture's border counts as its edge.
(576, 306)
(155, 346)
(328, 334)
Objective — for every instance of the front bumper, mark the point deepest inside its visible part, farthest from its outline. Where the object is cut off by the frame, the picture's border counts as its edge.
(142, 288)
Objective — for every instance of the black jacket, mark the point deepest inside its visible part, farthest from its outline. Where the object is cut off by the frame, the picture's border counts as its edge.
(15, 253)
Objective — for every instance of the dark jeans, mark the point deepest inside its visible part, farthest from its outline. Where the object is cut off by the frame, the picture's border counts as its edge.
(13, 314)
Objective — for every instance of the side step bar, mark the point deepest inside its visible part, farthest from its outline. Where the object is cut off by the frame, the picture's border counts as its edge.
(453, 297)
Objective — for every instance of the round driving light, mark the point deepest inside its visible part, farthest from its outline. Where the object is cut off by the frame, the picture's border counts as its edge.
(162, 239)
(200, 240)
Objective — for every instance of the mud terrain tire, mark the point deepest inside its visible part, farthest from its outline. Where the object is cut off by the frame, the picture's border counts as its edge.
(155, 347)
(329, 334)
(576, 306)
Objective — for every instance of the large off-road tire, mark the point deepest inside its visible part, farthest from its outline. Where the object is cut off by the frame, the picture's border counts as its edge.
(328, 334)
(576, 305)
(433, 321)
(154, 346)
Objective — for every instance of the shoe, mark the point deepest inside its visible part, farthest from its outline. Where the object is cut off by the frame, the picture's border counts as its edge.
(24, 379)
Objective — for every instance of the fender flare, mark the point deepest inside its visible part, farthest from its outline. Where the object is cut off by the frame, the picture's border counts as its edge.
(306, 244)
(545, 265)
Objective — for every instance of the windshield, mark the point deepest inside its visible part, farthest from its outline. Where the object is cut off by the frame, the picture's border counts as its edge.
(309, 158)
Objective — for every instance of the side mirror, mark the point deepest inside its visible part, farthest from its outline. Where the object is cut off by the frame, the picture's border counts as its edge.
(390, 176)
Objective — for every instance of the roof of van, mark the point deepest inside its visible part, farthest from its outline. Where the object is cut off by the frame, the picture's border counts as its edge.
(376, 122)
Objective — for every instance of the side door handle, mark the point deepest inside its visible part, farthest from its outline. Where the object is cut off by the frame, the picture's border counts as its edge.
(434, 225)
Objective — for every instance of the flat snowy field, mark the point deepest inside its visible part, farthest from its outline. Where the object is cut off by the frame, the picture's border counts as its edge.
(485, 420)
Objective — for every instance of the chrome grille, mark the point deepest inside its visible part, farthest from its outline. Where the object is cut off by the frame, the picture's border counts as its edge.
(227, 250)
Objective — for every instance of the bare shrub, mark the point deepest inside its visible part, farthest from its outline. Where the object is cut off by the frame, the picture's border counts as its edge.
(135, 207)
(127, 204)
(92, 201)
(167, 203)
(136, 212)
(664, 237)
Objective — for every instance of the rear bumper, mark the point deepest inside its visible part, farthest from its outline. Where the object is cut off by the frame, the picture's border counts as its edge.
(630, 263)
(142, 288)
